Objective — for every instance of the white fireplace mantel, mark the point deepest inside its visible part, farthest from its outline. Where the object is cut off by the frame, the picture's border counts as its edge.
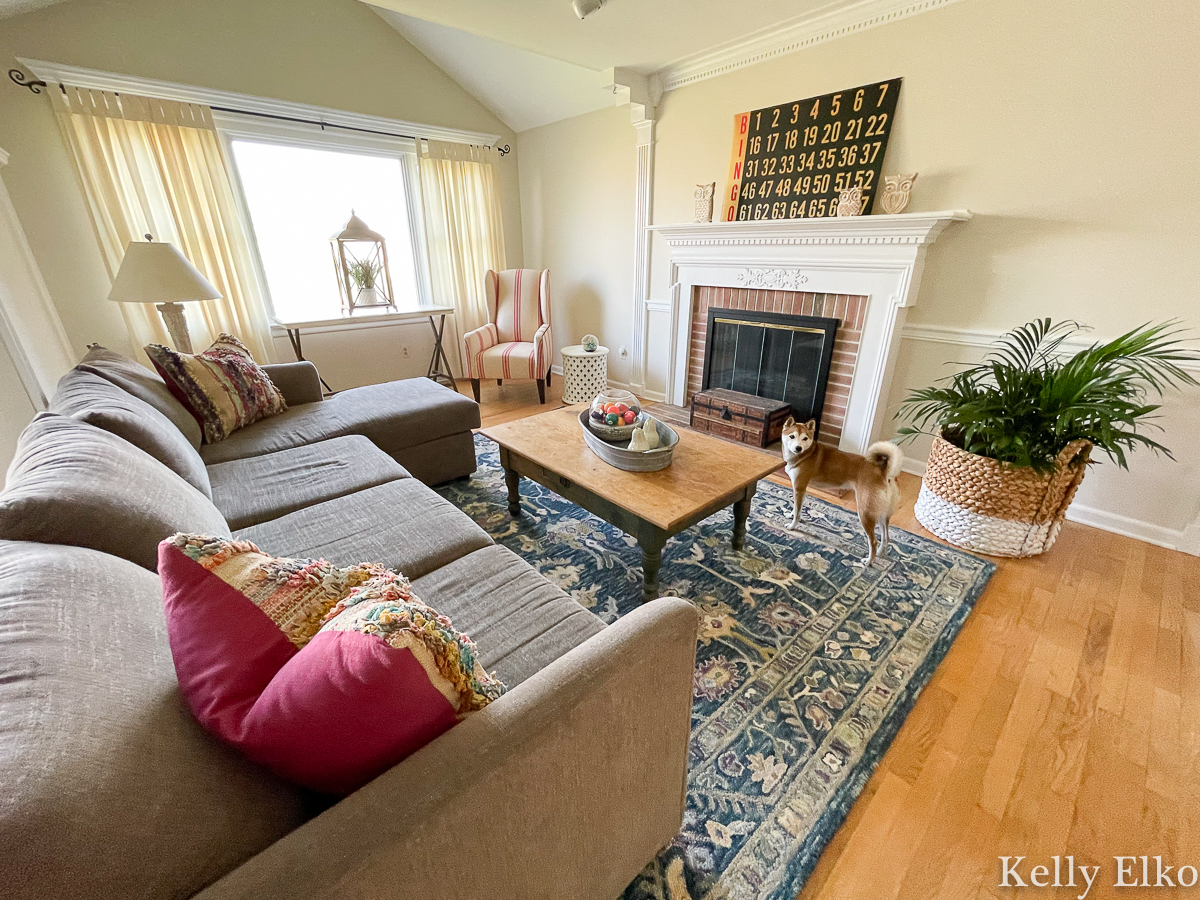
(879, 257)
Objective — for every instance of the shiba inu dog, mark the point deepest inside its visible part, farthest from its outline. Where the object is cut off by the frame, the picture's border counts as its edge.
(872, 476)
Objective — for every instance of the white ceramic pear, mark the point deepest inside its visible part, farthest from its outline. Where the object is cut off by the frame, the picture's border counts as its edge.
(650, 429)
(637, 440)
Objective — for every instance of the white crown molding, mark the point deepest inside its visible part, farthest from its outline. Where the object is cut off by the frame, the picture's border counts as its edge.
(788, 37)
(95, 79)
(640, 93)
(906, 228)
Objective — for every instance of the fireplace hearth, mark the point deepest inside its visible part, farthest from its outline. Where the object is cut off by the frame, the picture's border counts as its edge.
(774, 355)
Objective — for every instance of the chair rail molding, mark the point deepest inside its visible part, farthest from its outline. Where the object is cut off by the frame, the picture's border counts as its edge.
(788, 37)
(877, 257)
(29, 323)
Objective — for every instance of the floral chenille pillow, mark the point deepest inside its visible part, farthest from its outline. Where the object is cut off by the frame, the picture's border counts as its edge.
(327, 675)
(223, 387)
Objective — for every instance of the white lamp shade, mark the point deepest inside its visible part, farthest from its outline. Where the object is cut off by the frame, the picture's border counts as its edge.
(154, 272)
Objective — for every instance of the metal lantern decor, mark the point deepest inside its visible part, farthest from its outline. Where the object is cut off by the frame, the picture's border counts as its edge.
(360, 258)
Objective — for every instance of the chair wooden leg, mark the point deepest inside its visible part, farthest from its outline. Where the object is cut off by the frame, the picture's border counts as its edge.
(548, 374)
(499, 381)
(475, 388)
(541, 390)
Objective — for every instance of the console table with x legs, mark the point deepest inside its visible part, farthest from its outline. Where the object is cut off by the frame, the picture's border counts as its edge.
(439, 363)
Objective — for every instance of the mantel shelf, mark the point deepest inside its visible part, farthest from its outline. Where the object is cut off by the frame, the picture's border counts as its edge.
(906, 228)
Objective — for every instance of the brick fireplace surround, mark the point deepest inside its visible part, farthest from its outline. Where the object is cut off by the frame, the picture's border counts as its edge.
(849, 310)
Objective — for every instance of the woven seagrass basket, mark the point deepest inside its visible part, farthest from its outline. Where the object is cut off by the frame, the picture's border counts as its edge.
(997, 508)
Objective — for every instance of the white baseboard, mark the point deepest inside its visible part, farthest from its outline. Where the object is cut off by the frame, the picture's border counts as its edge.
(1108, 521)
(557, 370)
(1118, 524)
(643, 392)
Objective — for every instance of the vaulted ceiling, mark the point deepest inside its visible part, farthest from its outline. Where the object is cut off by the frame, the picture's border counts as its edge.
(533, 62)
(641, 34)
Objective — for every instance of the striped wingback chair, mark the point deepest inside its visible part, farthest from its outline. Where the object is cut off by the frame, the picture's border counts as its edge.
(516, 341)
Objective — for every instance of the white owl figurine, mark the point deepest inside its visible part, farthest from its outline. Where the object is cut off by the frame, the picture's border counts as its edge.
(896, 190)
(850, 202)
(704, 201)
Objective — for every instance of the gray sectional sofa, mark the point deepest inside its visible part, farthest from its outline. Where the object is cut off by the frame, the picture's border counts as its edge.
(564, 787)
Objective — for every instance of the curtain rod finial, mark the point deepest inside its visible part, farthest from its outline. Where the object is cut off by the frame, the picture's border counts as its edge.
(20, 78)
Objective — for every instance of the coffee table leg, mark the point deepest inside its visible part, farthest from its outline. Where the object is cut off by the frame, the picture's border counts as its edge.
(741, 511)
(513, 480)
(652, 545)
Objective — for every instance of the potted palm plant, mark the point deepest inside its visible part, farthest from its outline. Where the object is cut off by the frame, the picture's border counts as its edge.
(1012, 436)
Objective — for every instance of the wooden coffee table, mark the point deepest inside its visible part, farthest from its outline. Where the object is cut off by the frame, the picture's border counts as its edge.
(706, 475)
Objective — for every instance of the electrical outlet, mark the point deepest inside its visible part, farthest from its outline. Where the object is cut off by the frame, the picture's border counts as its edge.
(404, 352)
(623, 353)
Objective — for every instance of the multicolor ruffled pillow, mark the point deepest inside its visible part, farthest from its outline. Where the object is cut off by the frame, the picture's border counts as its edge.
(328, 675)
(223, 387)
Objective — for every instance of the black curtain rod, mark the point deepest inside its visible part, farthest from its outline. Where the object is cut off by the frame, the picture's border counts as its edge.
(19, 77)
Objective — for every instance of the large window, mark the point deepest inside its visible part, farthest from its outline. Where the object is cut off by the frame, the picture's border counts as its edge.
(298, 196)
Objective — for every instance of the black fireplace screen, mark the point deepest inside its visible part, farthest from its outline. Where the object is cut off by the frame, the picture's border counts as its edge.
(783, 357)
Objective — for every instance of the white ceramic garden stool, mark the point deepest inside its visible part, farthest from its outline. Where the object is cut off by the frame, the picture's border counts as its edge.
(584, 374)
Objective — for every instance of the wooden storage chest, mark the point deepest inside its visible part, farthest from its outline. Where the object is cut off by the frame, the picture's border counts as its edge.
(743, 417)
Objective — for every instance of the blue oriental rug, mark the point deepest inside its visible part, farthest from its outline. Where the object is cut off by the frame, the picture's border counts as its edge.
(807, 664)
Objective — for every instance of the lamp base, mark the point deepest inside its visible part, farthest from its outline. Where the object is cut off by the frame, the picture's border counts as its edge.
(176, 323)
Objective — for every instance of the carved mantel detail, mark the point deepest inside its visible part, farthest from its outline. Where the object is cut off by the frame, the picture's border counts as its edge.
(773, 279)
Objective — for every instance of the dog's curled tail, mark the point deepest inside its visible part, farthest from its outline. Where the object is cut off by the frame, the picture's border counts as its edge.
(887, 456)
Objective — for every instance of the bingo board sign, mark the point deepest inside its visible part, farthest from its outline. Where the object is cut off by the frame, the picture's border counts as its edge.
(791, 161)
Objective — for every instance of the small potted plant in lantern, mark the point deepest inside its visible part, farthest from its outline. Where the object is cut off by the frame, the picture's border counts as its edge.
(360, 259)
(364, 274)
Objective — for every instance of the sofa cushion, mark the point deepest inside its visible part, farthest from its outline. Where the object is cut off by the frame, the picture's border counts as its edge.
(402, 525)
(329, 709)
(144, 384)
(74, 483)
(520, 621)
(111, 789)
(258, 488)
(97, 401)
(394, 415)
(223, 387)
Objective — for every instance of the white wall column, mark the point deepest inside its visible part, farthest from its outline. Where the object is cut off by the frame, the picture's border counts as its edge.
(641, 254)
(641, 95)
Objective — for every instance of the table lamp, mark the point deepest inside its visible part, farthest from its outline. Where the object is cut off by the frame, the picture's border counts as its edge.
(158, 273)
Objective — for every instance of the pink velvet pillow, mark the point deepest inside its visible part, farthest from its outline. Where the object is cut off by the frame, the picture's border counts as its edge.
(329, 676)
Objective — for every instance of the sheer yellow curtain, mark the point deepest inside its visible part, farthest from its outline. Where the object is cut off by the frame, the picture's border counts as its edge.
(157, 167)
(464, 230)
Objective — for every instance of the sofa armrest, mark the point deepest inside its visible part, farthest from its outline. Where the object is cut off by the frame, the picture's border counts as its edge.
(566, 786)
(299, 382)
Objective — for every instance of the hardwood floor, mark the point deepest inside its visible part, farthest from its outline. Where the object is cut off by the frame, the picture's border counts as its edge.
(1065, 720)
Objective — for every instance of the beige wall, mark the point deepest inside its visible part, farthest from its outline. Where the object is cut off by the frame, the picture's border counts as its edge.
(1068, 128)
(577, 202)
(334, 53)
